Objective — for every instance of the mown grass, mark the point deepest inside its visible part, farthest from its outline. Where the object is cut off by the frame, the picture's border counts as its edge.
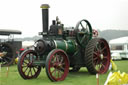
(77, 78)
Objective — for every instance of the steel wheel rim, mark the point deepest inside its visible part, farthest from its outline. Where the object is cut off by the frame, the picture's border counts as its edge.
(28, 70)
(101, 57)
(58, 65)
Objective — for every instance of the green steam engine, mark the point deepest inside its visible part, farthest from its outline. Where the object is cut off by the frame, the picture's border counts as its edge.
(63, 49)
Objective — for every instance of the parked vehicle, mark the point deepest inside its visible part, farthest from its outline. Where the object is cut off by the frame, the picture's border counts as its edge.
(119, 48)
(8, 46)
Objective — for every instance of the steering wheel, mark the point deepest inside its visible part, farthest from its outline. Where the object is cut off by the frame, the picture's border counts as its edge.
(83, 32)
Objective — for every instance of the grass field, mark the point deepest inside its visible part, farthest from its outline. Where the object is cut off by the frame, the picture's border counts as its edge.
(77, 78)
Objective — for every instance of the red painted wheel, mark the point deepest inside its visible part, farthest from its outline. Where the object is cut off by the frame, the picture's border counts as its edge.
(26, 68)
(97, 56)
(57, 65)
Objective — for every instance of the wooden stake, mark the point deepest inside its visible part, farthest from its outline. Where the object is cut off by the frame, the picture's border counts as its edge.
(7, 71)
(0, 68)
(97, 78)
(0, 74)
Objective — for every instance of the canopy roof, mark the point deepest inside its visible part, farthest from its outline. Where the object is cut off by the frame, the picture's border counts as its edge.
(121, 40)
(8, 32)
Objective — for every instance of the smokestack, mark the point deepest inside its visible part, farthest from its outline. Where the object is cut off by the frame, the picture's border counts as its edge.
(45, 17)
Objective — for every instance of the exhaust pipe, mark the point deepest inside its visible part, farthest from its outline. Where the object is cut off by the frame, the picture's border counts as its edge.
(45, 18)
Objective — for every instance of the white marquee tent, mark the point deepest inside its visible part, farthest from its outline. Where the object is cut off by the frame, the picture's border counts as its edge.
(121, 40)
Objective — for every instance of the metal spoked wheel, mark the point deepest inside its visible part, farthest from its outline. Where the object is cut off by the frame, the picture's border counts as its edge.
(83, 32)
(26, 68)
(97, 56)
(57, 65)
(8, 54)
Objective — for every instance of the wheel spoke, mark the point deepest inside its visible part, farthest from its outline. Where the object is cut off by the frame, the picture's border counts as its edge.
(31, 71)
(24, 66)
(83, 39)
(95, 58)
(59, 73)
(54, 57)
(53, 60)
(81, 25)
(103, 66)
(36, 67)
(63, 64)
(99, 65)
(25, 62)
(31, 58)
(98, 62)
(96, 54)
(34, 70)
(103, 49)
(62, 59)
(28, 72)
(105, 58)
(53, 71)
(57, 59)
(26, 69)
(95, 62)
(96, 48)
(62, 68)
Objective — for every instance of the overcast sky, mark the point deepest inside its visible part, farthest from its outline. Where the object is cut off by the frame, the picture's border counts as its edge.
(25, 15)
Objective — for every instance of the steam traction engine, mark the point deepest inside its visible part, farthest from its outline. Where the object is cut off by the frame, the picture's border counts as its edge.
(9, 47)
(62, 48)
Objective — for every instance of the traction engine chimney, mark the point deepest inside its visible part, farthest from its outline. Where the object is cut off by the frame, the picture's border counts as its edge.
(45, 18)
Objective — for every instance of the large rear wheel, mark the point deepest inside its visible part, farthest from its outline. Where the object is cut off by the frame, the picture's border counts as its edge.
(57, 65)
(97, 56)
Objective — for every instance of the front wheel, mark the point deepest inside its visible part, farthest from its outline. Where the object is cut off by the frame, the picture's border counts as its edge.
(26, 68)
(57, 65)
(97, 56)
